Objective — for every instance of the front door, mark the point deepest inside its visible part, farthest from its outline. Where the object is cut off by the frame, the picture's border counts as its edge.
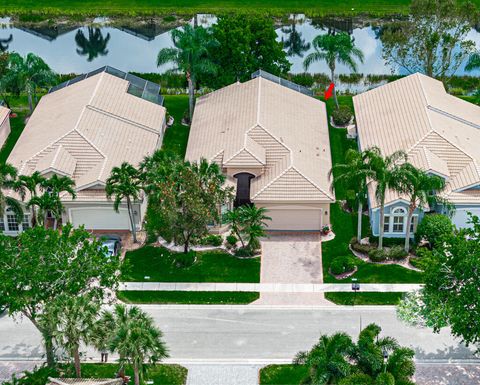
(243, 188)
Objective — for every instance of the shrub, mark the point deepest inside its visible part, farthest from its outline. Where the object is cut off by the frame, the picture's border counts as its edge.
(341, 265)
(303, 79)
(423, 258)
(377, 255)
(364, 249)
(212, 240)
(397, 253)
(342, 115)
(232, 240)
(185, 259)
(388, 242)
(244, 252)
(433, 227)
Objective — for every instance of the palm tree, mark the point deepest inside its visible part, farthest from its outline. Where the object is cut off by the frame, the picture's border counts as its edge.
(75, 318)
(190, 56)
(332, 49)
(354, 173)
(26, 74)
(31, 184)
(234, 219)
(92, 46)
(45, 204)
(254, 223)
(473, 62)
(384, 174)
(418, 186)
(124, 183)
(4, 43)
(8, 175)
(328, 360)
(136, 339)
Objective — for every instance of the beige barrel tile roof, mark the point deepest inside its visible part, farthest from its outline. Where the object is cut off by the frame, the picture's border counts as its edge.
(261, 123)
(439, 132)
(87, 128)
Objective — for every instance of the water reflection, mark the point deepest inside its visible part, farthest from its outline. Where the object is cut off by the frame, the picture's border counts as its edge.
(93, 45)
(294, 44)
(4, 43)
(136, 48)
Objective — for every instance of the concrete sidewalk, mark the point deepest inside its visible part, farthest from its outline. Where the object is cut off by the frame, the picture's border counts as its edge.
(266, 287)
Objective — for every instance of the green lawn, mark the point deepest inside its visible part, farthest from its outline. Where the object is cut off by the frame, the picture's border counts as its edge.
(20, 107)
(188, 297)
(176, 137)
(159, 264)
(160, 374)
(345, 224)
(282, 374)
(364, 298)
(130, 7)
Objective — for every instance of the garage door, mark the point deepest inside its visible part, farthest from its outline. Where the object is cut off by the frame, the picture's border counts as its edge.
(100, 219)
(297, 219)
(461, 217)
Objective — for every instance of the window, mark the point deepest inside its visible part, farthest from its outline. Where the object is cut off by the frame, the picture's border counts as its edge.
(26, 222)
(386, 224)
(2, 224)
(398, 222)
(12, 222)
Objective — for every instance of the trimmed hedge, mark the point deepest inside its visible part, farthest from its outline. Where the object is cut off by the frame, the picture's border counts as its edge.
(342, 115)
(342, 265)
(212, 240)
(433, 227)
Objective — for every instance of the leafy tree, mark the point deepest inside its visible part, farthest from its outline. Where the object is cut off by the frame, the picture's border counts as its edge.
(433, 227)
(328, 360)
(8, 175)
(433, 39)
(41, 264)
(4, 43)
(246, 44)
(417, 185)
(332, 49)
(473, 61)
(187, 196)
(190, 56)
(450, 294)
(27, 73)
(32, 184)
(384, 174)
(73, 319)
(354, 174)
(92, 46)
(136, 339)
(124, 184)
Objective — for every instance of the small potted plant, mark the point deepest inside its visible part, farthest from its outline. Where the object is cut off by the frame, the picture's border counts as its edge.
(325, 230)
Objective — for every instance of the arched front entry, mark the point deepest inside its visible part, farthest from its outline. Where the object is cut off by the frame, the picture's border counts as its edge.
(243, 188)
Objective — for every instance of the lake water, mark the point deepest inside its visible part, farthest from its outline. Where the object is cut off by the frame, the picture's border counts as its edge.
(136, 50)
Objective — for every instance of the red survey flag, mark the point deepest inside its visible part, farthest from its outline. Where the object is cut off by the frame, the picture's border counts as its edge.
(329, 92)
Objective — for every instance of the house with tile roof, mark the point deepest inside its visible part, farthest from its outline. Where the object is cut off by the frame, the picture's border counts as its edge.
(272, 143)
(4, 125)
(82, 129)
(440, 134)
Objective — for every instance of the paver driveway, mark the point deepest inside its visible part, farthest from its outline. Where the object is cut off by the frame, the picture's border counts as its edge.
(295, 258)
(292, 258)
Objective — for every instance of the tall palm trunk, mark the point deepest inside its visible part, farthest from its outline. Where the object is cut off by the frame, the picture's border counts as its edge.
(30, 101)
(132, 221)
(359, 221)
(76, 362)
(34, 216)
(191, 95)
(136, 374)
(382, 223)
(411, 209)
(332, 77)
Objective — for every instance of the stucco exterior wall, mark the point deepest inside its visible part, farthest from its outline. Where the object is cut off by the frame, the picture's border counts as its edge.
(375, 219)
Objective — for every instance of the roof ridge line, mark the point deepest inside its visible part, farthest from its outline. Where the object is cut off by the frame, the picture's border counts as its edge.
(427, 157)
(274, 137)
(417, 143)
(452, 116)
(252, 154)
(109, 114)
(312, 182)
(259, 93)
(272, 181)
(217, 154)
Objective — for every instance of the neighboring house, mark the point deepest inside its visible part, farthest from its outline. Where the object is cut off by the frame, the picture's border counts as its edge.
(439, 132)
(4, 125)
(82, 129)
(272, 143)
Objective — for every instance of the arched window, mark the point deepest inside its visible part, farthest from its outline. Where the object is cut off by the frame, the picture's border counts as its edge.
(398, 220)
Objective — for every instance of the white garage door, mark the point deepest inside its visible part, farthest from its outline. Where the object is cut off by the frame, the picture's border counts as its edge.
(100, 219)
(461, 217)
(297, 219)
